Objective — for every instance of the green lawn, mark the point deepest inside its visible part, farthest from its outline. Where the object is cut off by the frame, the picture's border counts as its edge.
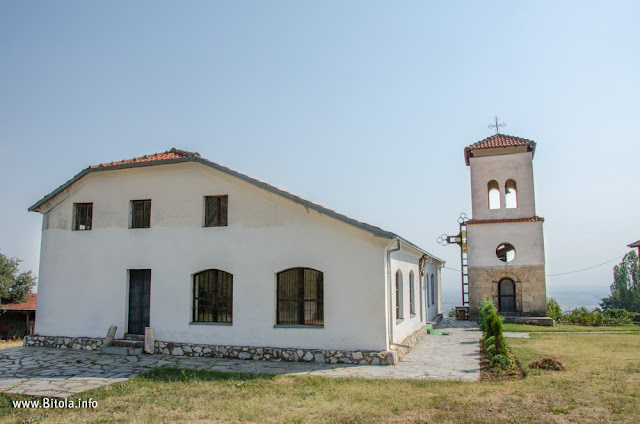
(602, 385)
(568, 328)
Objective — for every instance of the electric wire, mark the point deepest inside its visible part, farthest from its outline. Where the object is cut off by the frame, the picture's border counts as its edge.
(565, 273)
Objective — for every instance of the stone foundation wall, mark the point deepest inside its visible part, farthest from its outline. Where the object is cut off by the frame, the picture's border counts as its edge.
(329, 356)
(77, 343)
(531, 290)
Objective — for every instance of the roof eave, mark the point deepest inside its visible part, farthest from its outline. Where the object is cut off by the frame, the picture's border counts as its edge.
(90, 170)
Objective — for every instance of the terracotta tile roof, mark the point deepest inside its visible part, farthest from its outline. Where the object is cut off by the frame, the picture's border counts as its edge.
(498, 140)
(636, 244)
(176, 155)
(502, 221)
(169, 154)
(28, 305)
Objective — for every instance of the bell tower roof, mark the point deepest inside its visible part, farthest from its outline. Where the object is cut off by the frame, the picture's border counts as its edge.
(499, 141)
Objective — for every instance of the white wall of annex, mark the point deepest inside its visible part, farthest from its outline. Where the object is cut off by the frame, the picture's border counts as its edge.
(83, 286)
(406, 261)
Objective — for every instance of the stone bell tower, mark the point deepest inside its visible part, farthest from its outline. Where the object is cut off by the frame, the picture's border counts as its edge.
(504, 236)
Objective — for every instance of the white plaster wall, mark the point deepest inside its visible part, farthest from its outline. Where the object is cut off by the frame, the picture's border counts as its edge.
(517, 166)
(83, 274)
(407, 260)
(433, 268)
(526, 237)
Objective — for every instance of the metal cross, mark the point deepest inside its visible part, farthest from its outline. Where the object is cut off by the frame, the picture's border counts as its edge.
(497, 126)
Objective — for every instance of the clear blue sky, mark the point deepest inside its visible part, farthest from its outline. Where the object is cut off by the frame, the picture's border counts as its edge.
(364, 107)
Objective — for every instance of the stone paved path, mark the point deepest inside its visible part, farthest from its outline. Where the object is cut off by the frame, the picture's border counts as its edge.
(62, 373)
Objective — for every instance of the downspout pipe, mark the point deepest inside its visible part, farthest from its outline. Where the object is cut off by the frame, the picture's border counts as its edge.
(390, 288)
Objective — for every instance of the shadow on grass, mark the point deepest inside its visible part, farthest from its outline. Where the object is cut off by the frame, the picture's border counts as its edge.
(169, 374)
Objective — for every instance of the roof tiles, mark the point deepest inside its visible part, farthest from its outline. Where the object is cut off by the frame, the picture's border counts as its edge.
(497, 141)
(502, 221)
(27, 305)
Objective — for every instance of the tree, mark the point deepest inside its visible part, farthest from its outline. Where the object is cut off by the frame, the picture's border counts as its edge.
(14, 286)
(625, 290)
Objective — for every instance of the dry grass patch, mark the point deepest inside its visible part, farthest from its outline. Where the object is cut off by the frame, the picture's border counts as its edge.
(602, 384)
(5, 344)
(549, 363)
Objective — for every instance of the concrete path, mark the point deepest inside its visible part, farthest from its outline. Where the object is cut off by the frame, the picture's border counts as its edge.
(516, 334)
(62, 373)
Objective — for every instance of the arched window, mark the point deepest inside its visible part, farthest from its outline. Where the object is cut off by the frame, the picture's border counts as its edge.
(433, 289)
(300, 297)
(213, 296)
(510, 195)
(399, 312)
(412, 295)
(494, 194)
(507, 295)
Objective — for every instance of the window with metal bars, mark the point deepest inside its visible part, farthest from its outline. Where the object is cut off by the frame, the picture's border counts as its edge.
(215, 211)
(213, 296)
(140, 213)
(300, 297)
(83, 216)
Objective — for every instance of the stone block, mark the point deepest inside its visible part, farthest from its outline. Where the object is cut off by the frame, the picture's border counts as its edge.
(149, 340)
(111, 334)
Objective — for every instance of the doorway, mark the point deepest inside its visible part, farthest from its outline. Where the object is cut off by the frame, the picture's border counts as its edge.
(139, 300)
(507, 296)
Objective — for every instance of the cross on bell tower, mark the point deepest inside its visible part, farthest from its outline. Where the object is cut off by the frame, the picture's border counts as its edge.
(497, 125)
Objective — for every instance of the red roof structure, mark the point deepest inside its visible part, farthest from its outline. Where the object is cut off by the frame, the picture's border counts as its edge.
(169, 154)
(502, 221)
(497, 141)
(27, 305)
(636, 244)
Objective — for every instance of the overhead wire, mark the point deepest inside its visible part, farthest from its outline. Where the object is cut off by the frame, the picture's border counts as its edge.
(568, 272)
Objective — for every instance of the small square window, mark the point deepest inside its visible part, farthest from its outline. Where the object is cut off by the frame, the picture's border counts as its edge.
(215, 211)
(83, 216)
(140, 213)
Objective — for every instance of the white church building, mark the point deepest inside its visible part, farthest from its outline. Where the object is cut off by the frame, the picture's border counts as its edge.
(221, 264)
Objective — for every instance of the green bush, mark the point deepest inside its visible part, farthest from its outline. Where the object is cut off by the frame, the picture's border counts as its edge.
(553, 309)
(582, 316)
(486, 307)
(452, 312)
(489, 341)
(494, 341)
(500, 361)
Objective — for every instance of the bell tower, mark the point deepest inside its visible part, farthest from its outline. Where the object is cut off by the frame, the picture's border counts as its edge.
(504, 237)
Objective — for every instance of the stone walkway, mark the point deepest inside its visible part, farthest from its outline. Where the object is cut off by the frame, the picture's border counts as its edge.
(62, 373)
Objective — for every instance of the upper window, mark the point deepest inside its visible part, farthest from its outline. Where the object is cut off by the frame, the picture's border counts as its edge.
(215, 211)
(412, 295)
(399, 311)
(494, 194)
(300, 297)
(510, 195)
(140, 213)
(83, 216)
(213, 296)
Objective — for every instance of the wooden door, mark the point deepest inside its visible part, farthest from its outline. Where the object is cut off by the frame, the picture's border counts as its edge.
(139, 300)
